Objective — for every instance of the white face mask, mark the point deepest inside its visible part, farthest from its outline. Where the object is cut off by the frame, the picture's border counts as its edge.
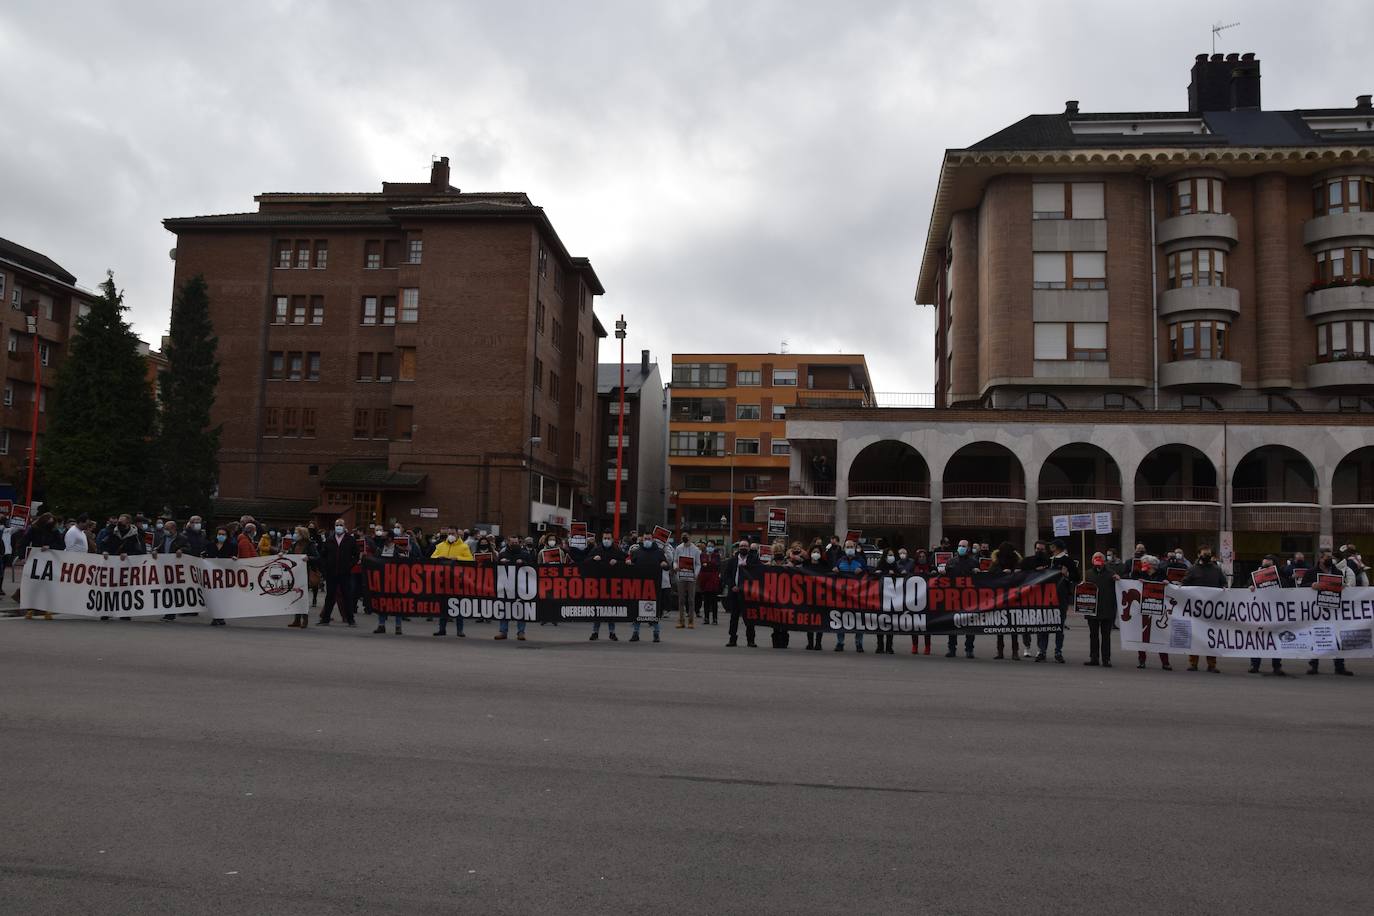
(815, 556)
(890, 558)
(605, 542)
(451, 538)
(849, 551)
(396, 532)
(902, 554)
(338, 529)
(648, 542)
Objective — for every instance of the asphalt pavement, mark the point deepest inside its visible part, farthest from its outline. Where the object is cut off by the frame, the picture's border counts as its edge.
(177, 768)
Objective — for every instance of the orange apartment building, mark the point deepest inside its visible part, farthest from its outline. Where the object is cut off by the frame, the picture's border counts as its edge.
(726, 430)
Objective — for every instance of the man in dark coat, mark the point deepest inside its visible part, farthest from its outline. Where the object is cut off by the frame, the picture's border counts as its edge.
(733, 578)
(338, 554)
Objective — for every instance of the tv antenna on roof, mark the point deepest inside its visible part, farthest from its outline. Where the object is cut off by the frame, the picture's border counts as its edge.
(1217, 29)
(784, 347)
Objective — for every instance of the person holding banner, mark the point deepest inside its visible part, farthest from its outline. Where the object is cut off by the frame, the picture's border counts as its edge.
(169, 541)
(850, 563)
(1006, 559)
(338, 556)
(918, 565)
(43, 534)
(1038, 560)
(708, 587)
(304, 545)
(1285, 581)
(1151, 571)
(963, 565)
(1207, 574)
(1104, 578)
(816, 562)
(651, 554)
(734, 576)
(688, 568)
(1069, 577)
(605, 554)
(451, 547)
(1352, 575)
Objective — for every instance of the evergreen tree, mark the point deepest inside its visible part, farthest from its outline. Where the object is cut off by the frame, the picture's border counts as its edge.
(187, 452)
(95, 456)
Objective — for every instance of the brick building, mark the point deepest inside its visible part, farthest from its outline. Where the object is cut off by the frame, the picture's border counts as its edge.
(1164, 316)
(414, 353)
(642, 490)
(726, 441)
(31, 283)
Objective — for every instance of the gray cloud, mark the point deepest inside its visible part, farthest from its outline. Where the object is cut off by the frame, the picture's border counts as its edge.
(740, 173)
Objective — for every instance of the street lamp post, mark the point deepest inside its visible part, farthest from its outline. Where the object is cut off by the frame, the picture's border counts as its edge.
(31, 320)
(620, 428)
(731, 522)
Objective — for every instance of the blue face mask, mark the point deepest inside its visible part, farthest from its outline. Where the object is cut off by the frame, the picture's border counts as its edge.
(962, 550)
(221, 538)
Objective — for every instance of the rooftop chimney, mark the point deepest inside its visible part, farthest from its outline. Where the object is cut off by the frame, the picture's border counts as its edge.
(1224, 82)
(1364, 103)
(643, 362)
(1071, 107)
(438, 174)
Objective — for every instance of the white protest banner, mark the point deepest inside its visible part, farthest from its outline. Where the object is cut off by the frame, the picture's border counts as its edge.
(90, 585)
(1238, 622)
(1061, 525)
(1102, 523)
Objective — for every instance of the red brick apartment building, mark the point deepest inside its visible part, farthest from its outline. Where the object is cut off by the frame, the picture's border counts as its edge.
(419, 353)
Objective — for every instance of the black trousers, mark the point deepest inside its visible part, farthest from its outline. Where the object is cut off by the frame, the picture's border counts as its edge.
(338, 590)
(954, 642)
(710, 608)
(736, 607)
(1100, 638)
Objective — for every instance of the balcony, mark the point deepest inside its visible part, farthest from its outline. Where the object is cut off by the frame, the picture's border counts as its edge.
(811, 488)
(1284, 509)
(1343, 298)
(1357, 372)
(1078, 499)
(880, 503)
(1336, 226)
(1198, 227)
(1353, 519)
(1200, 373)
(801, 510)
(990, 505)
(1221, 302)
(1177, 508)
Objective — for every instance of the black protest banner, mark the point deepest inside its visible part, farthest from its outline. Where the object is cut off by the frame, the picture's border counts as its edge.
(993, 602)
(551, 593)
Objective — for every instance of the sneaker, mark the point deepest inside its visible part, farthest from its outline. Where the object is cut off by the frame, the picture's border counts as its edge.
(379, 630)
(442, 633)
(462, 635)
(500, 636)
(1040, 657)
(733, 643)
(1140, 664)
(1059, 658)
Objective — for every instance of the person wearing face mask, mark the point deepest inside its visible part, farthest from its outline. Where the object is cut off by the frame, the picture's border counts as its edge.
(851, 563)
(734, 574)
(1039, 559)
(1151, 570)
(338, 555)
(1285, 581)
(608, 555)
(686, 568)
(889, 565)
(834, 550)
(919, 564)
(123, 539)
(708, 587)
(303, 545)
(1205, 573)
(651, 556)
(815, 561)
(1069, 576)
(384, 545)
(1104, 577)
(1351, 572)
(1176, 560)
(169, 541)
(962, 565)
(1006, 559)
(451, 546)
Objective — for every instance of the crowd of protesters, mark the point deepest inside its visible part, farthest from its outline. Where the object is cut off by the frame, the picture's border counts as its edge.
(697, 578)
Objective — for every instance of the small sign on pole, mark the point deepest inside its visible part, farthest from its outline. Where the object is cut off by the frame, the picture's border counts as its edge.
(777, 522)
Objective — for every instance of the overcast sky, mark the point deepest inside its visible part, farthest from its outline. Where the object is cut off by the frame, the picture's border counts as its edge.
(739, 173)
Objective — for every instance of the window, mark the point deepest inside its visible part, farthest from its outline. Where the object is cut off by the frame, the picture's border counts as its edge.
(277, 365)
(577, 445)
(543, 260)
(44, 352)
(388, 310)
(361, 423)
(4, 441)
(372, 255)
(625, 441)
(1339, 340)
(365, 363)
(1196, 267)
(694, 443)
(312, 366)
(290, 422)
(369, 310)
(9, 395)
(410, 305)
(694, 481)
(415, 250)
(696, 410)
(1342, 265)
(1088, 341)
(699, 375)
(539, 316)
(380, 416)
(406, 363)
(746, 411)
(538, 374)
(2, 287)
(284, 251)
(1195, 195)
(298, 310)
(615, 408)
(751, 483)
(746, 515)
(782, 447)
(295, 363)
(1070, 270)
(13, 344)
(321, 257)
(536, 425)
(303, 255)
(404, 419)
(557, 334)
(317, 310)
(581, 345)
(280, 310)
(386, 367)
(581, 298)
(308, 422)
(551, 440)
(555, 385)
(746, 446)
(1051, 340)
(748, 378)
(577, 401)
(1060, 200)
(1343, 194)
(14, 298)
(784, 378)
(271, 422)
(779, 411)
(1198, 340)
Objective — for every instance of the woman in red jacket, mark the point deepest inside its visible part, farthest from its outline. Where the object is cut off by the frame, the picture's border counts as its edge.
(708, 586)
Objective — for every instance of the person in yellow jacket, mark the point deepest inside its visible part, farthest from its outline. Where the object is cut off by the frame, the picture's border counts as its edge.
(450, 547)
